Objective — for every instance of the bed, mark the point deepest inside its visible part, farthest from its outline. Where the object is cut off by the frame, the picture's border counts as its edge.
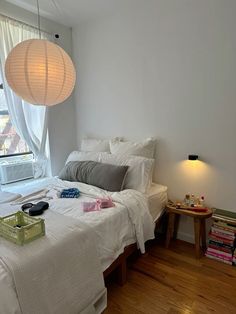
(122, 233)
(118, 231)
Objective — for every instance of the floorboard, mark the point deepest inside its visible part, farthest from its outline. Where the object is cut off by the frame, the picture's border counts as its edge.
(174, 282)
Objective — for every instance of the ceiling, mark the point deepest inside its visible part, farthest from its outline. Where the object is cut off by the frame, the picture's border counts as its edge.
(71, 12)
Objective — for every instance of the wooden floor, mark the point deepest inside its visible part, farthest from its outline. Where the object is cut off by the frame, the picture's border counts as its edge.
(173, 281)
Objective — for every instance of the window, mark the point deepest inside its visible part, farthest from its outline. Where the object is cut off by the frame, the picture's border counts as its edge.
(10, 142)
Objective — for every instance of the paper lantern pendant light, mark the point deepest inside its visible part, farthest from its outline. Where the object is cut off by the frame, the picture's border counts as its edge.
(40, 72)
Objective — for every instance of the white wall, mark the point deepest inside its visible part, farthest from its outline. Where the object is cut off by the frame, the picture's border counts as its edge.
(62, 123)
(166, 68)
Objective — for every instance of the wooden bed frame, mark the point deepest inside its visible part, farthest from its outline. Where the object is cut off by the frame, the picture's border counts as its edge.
(120, 264)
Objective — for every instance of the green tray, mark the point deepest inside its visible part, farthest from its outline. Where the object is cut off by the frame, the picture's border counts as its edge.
(20, 228)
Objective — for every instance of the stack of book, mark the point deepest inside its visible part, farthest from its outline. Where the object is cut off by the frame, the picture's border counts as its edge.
(222, 237)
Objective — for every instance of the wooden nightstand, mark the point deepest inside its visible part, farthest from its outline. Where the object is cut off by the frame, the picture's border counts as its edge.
(199, 225)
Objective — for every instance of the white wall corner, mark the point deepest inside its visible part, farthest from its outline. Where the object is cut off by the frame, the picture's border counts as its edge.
(187, 237)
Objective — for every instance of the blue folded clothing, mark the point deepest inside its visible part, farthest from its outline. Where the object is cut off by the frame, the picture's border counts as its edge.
(70, 193)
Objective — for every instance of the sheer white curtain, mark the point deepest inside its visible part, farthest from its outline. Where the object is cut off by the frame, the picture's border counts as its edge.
(29, 121)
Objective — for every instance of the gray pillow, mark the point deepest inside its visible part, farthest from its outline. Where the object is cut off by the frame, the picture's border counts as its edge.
(105, 176)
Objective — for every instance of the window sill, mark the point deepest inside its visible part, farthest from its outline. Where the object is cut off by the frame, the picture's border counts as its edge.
(16, 158)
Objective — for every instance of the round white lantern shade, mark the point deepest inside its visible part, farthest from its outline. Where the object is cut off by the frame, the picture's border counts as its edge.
(40, 72)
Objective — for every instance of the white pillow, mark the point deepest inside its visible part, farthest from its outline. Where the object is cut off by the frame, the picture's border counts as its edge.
(95, 145)
(145, 148)
(83, 156)
(139, 174)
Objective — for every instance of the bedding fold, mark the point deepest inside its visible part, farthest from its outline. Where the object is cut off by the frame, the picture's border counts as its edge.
(56, 273)
(77, 251)
(137, 206)
(135, 202)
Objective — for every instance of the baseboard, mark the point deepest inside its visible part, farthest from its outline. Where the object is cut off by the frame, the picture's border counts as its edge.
(185, 237)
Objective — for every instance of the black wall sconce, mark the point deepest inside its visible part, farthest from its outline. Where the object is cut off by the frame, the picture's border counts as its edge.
(192, 157)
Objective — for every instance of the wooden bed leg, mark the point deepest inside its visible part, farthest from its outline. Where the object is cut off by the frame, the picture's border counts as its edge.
(122, 272)
(119, 266)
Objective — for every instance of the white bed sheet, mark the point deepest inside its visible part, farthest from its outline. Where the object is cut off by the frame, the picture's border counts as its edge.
(112, 226)
(157, 193)
(115, 228)
(113, 222)
(157, 200)
(31, 276)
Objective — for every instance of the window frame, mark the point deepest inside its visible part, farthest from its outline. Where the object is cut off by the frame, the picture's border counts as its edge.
(6, 113)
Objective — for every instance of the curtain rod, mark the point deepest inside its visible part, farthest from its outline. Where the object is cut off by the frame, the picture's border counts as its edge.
(23, 23)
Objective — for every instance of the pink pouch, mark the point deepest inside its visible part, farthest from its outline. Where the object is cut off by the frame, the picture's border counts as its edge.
(90, 206)
(105, 202)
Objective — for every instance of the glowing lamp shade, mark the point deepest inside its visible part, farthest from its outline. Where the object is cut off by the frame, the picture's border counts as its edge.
(40, 72)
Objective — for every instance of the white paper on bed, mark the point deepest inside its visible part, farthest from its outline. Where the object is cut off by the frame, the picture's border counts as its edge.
(54, 274)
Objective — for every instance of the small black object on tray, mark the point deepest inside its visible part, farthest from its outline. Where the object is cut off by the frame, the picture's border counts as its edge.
(35, 209)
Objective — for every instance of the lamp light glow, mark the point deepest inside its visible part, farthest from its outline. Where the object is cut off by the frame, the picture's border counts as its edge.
(40, 72)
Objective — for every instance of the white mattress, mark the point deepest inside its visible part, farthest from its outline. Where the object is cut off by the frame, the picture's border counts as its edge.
(157, 200)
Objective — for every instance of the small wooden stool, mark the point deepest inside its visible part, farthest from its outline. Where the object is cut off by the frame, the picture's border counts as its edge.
(199, 226)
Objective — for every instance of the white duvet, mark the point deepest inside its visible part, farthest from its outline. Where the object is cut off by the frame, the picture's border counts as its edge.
(132, 202)
(128, 222)
(59, 273)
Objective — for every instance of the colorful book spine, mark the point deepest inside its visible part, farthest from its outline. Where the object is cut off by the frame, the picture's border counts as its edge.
(215, 242)
(218, 259)
(226, 214)
(222, 240)
(220, 248)
(218, 229)
(224, 226)
(229, 220)
(220, 254)
(222, 235)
